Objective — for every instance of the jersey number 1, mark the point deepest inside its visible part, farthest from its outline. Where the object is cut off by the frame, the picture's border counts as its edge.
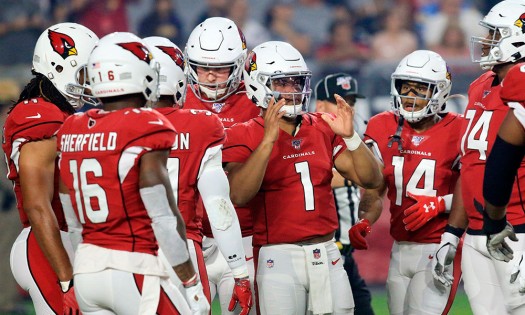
(308, 188)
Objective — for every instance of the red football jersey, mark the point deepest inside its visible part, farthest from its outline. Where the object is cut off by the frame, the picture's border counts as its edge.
(197, 131)
(31, 120)
(99, 163)
(428, 164)
(483, 116)
(295, 201)
(237, 108)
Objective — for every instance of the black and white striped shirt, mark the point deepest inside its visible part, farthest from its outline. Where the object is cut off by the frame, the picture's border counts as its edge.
(347, 204)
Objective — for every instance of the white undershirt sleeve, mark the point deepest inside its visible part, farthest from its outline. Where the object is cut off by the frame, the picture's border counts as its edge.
(74, 226)
(164, 224)
(215, 191)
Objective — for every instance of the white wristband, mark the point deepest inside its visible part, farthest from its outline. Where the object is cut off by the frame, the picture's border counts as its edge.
(353, 143)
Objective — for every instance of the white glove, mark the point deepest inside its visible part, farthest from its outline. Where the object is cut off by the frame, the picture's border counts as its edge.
(197, 300)
(442, 264)
(498, 248)
(517, 273)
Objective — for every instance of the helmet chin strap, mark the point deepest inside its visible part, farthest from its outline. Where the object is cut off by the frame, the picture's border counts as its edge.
(212, 94)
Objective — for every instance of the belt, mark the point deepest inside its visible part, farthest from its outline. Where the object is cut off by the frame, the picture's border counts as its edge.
(316, 240)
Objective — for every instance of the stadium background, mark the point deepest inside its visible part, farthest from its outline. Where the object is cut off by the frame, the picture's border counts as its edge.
(365, 38)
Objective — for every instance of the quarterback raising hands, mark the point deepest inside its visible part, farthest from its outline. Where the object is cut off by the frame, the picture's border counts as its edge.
(343, 122)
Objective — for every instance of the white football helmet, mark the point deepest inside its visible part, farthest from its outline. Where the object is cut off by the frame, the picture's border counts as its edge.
(215, 43)
(267, 65)
(506, 22)
(172, 80)
(427, 67)
(61, 52)
(122, 64)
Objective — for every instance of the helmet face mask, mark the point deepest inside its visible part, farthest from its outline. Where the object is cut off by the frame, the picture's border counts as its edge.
(505, 41)
(61, 53)
(121, 64)
(427, 72)
(276, 69)
(172, 80)
(81, 88)
(215, 45)
(297, 98)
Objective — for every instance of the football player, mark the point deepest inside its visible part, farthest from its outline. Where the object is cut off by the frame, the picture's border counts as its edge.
(195, 168)
(485, 273)
(215, 55)
(117, 195)
(503, 165)
(41, 255)
(281, 164)
(420, 168)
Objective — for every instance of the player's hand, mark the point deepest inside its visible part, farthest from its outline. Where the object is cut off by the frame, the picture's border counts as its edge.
(518, 272)
(424, 210)
(197, 300)
(271, 120)
(442, 264)
(70, 301)
(498, 247)
(358, 232)
(342, 123)
(242, 295)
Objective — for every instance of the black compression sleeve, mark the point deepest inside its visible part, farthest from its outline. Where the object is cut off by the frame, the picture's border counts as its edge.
(502, 165)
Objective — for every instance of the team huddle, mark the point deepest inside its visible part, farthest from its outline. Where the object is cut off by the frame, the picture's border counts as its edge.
(151, 179)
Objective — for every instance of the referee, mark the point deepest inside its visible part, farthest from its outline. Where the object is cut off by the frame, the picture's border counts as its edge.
(346, 194)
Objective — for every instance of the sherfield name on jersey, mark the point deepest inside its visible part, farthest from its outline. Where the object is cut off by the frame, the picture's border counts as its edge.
(93, 142)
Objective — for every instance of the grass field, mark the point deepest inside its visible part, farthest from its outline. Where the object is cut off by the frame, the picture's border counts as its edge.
(379, 304)
(460, 306)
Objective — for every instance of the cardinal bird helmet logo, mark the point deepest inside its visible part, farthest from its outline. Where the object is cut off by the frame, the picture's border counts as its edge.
(251, 63)
(243, 39)
(139, 50)
(62, 44)
(520, 22)
(174, 53)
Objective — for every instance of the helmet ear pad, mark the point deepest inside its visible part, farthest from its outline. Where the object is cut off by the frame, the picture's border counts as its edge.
(61, 53)
(424, 67)
(215, 43)
(275, 60)
(122, 64)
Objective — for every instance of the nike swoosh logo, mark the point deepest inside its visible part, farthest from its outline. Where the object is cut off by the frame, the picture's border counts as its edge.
(156, 122)
(430, 257)
(335, 261)
(35, 116)
(248, 258)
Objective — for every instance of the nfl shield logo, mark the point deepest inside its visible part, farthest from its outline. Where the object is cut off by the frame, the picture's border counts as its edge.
(317, 253)
(269, 263)
(296, 143)
(217, 107)
(344, 82)
(416, 140)
(485, 93)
